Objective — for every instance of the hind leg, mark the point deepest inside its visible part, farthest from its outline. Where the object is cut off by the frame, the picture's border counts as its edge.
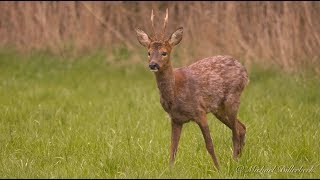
(228, 115)
(238, 138)
(242, 135)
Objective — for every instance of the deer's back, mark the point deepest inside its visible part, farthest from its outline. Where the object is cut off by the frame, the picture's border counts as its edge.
(211, 80)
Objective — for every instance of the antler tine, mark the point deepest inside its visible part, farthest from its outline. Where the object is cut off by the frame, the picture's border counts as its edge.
(152, 15)
(165, 23)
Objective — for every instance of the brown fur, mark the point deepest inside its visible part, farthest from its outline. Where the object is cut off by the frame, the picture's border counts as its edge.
(211, 85)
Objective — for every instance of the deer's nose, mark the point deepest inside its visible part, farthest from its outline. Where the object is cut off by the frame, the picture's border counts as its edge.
(154, 66)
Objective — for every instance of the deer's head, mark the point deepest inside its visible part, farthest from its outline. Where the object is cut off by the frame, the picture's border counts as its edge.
(159, 48)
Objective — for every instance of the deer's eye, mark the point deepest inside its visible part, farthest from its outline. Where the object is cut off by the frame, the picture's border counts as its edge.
(164, 54)
(148, 53)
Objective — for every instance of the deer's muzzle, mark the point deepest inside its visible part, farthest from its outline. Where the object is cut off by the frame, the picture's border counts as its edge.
(154, 66)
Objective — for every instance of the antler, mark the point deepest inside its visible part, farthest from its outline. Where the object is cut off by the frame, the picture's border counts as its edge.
(152, 15)
(165, 24)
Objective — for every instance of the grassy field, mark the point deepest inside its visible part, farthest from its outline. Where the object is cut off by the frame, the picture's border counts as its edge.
(89, 118)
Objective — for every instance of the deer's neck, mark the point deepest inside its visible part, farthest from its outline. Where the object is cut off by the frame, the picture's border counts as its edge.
(165, 81)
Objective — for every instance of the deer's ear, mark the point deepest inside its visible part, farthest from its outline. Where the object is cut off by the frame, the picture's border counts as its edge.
(143, 38)
(176, 37)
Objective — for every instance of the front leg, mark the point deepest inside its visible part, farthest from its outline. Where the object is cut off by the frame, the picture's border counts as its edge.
(203, 124)
(175, 137)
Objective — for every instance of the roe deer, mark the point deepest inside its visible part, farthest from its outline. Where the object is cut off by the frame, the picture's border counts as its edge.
(213, 84)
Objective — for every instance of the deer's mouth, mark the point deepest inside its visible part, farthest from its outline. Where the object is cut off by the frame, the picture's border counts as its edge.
(154, 70)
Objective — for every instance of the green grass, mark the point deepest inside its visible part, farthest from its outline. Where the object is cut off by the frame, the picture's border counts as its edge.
(88, 118)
